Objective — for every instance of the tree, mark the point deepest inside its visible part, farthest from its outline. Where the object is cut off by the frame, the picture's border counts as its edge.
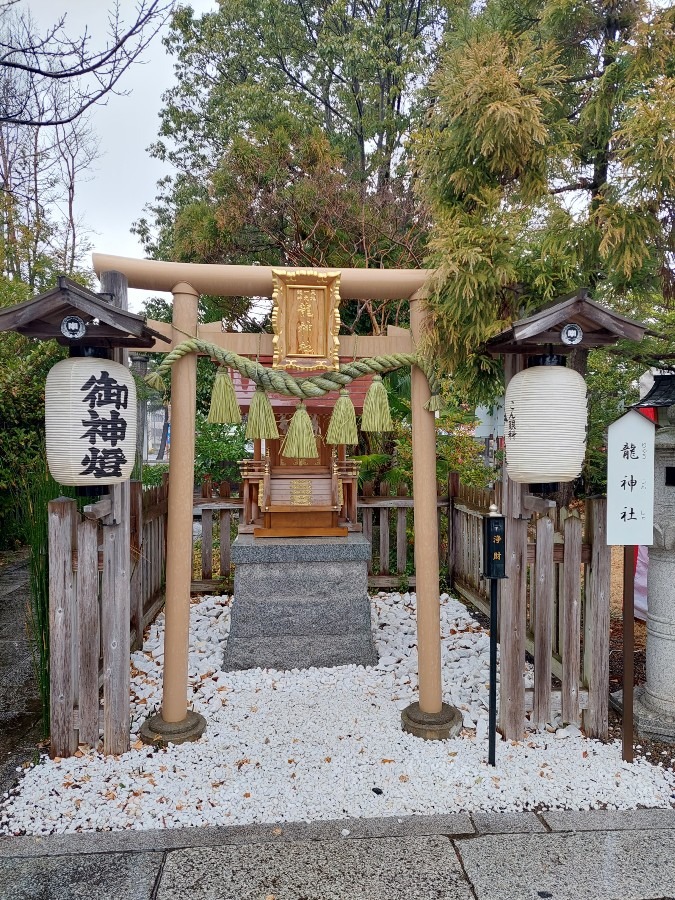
(52, 78)
(39, 238)
(287, 128)
(547, 161)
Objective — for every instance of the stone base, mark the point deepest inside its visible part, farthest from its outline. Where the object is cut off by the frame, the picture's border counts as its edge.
(432, 726)
(300, 602)
(648, 723)
(156, 731)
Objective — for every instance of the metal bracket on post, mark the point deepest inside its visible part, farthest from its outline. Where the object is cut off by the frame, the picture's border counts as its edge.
(494, 568)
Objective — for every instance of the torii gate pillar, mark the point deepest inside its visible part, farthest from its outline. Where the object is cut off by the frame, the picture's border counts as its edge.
(175, 722)
(429, 718)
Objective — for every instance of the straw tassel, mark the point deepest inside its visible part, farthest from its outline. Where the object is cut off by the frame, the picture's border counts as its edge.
(300, 442)
(261, 424)
(224, 406)
(342, 426)
(376, 415)
(434, 403)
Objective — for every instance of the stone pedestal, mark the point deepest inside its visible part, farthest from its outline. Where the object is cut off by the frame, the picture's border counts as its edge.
(300, 602)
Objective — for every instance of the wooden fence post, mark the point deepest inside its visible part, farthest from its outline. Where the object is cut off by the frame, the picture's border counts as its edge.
(89, 631)
(401, 532)
(384, 531)
(62, 625)
(207, 544)
(367, 514)
(596, 618)
(116, 599)
(570, 600)
(136, 550)
(225, 524)
(453, 491)
(544, 572)
(513, 596)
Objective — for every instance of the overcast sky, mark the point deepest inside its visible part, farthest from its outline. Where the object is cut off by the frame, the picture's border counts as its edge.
(124, 177)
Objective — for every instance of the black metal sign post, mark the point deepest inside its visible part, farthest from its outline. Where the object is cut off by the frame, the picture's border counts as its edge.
(494, 568)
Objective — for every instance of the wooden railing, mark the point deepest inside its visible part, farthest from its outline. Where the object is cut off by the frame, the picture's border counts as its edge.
(386, 519)
(567, 604)
(89, 640)
(149, 508)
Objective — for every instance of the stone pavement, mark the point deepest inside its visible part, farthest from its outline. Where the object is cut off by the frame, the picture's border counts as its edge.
(483, 856)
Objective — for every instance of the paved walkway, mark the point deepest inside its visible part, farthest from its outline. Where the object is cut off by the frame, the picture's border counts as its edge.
(485, 856)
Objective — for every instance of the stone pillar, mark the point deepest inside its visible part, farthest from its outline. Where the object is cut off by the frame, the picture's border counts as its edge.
(655, 701)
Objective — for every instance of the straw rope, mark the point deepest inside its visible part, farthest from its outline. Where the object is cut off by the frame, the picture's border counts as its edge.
(278, 381)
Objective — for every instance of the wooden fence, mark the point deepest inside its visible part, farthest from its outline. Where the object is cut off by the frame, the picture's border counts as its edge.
(386, 519)
(566, 609)
(96, 560)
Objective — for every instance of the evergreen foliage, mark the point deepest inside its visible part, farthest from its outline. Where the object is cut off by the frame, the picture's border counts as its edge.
(287, 130)
(548, 163)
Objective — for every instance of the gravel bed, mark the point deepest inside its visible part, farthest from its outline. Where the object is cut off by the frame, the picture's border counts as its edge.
(324, 744)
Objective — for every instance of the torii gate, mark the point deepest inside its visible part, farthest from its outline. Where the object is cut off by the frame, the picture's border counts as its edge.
(430, 717)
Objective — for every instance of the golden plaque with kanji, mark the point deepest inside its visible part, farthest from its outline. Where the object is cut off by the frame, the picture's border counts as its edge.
(305, 319)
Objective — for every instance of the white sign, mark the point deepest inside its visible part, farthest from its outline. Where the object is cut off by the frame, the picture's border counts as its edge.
(630, 480)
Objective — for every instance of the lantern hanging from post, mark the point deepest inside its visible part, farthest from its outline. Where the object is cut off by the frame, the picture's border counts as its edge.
(90, 421)
(545, 417)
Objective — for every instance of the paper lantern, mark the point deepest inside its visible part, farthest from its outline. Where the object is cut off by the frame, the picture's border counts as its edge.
(90, 421)
(545, 424)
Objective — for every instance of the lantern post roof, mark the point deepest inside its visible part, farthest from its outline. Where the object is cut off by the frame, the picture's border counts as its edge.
(601, 327)
(108, 326)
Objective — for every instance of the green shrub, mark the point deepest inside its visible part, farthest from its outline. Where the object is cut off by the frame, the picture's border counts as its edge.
(153, 474)
(218, 449)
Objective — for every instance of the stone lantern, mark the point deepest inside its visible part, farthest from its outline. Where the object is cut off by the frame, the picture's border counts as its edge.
(654, 708)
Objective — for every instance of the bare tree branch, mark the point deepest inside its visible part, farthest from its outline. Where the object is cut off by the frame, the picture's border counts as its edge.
(53, 78)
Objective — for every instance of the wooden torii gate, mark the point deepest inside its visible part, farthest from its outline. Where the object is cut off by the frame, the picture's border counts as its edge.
(430, 718)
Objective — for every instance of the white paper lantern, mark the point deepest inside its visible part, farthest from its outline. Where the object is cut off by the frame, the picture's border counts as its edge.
(90, 421)
(545, 424)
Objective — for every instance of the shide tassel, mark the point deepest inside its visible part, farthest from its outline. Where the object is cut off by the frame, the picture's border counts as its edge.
(261, 424)
(342, 426)
(155, 381)
(434, 403)
(224, 406)
(300, 442)
(376, 415)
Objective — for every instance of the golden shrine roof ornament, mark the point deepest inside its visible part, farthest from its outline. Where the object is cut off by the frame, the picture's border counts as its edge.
(306, 319)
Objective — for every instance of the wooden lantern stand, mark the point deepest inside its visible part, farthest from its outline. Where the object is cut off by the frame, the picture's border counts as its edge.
(535, 335)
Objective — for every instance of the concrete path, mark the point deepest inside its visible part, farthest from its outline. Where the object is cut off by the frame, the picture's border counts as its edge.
(485, 856)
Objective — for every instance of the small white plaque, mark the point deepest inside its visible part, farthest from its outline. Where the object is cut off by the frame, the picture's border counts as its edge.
(630, 480)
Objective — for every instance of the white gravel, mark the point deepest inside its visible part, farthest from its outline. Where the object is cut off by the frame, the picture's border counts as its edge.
(324, 744)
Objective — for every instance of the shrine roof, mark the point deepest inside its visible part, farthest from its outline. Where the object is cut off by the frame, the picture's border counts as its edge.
(661, 394)
(107, 325)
